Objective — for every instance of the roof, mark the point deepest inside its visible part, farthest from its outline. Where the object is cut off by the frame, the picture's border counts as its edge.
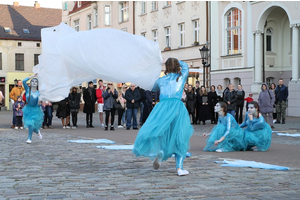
(34, 19)
(84, 4)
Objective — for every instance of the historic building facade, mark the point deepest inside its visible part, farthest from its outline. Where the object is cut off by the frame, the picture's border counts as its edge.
(255, 42)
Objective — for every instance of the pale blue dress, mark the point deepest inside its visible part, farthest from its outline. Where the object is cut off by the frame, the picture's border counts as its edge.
(168, 127)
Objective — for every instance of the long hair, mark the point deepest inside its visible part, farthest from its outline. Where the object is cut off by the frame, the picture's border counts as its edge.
(203, 93)
(255, 106)
(270, 88)
(173, 66)
(224, 106)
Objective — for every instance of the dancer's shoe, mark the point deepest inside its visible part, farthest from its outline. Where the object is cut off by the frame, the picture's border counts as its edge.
(219, 150)
(158, 159)
(28, 141)
(40, 135)
(181, 172)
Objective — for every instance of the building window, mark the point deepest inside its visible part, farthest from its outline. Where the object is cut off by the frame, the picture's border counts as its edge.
(154, 35)
(19, 44)
(168, 36)
(143, 34)
(143, 7)
(89, 22)
(154, 5)
(269, 41)
(269, 81)
(196, 30)
(181, 35)
(26, 31)
(234, 32)
(19, 60)
(7, 30)
(36, 59)
(107, 15)
(95, 17)
(76, 25)
(38, 44)
(124, 11)
(236, 82)
(167, 3)
(0, 61)
(79, 4)
(65, 5)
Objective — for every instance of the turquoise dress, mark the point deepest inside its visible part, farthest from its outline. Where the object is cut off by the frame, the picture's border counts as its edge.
(168, 126)
(234, 136)
(258, 133)
(32, 113)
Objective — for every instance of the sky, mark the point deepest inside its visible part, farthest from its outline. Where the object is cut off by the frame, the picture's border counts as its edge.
(43, 3)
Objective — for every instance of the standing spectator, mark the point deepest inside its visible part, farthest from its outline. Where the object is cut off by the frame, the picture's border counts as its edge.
(132, 97)
(202, 105)
(124, 117)
(100, 100)
(266, 101)
(89, 97)
(1, 99)
(15, 92)
(183, 98)
(186, 87)
(63, 112)
(142, 101)
(148, 105)
(74, 105)
(18, 106)
(226, 90)
(109, 97)
(47, 115)
(281, 93)
(240, 93)
(272, 88)
(121, 102)
(197, 86)
(190, 103)
(212, 101)
(230, 99)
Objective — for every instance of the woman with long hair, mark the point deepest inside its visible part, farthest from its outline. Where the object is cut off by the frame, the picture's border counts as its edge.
(33, 115)
(226, 135)
(212, 101)
(168, 129)
(258, 134)
(272, 88)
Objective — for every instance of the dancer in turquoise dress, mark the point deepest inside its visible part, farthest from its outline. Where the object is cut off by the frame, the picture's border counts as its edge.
(258, 133)
(168, 128)
(33, 116)
(226, 135)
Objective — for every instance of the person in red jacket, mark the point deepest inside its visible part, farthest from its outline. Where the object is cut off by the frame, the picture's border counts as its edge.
(100, 100)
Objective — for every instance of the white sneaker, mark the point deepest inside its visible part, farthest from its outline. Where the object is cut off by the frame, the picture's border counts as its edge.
(120, 126)
(16, 128)
(102, 125)
(68, 127)
(74, 127)
(181, 172)
(124, 125)
(22, 128)
(219, 150)
(40, 135)
(28, 141)
(64, 127)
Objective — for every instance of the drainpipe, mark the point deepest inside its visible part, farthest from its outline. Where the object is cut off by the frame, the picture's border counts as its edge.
(133, 19)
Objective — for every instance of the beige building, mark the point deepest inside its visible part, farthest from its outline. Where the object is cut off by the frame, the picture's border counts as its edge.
(20, 41)
(255, 42)
(180, 28)
(87, 15)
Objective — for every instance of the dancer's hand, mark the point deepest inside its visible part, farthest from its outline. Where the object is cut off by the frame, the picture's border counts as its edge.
(217, 142)
(250, 117)
(205, 135)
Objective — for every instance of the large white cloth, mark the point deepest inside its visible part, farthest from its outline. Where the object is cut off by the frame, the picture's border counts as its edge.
(69, 58)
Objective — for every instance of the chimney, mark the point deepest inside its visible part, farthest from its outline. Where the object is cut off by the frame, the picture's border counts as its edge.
(36, 4)
(16, 4)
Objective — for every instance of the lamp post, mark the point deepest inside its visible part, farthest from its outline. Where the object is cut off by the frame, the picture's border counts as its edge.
(204, 55)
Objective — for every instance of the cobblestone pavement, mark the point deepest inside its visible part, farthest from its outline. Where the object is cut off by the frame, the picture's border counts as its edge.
(52, 168)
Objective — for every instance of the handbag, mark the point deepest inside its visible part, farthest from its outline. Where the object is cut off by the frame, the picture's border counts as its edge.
(117, 105)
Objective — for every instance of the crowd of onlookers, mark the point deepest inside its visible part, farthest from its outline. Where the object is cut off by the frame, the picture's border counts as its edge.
(200, 103)
(127, 101)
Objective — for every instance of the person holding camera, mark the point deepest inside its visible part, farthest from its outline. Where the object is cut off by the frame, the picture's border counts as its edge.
(109, 97)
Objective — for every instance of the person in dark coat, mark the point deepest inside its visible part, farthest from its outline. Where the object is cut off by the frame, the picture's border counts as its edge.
(281, 93)
(132, 97)
(74, 105)
(212, 101)
(110, 95)
(203, 109)
(63, 112)
(240, 93)
(150, 100)
(230, 99)
(190, 103)
(142, 103)
(89, 97)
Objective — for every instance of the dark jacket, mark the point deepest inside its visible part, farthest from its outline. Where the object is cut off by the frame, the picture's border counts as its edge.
(63, 110)
(90, 100)
(240, 98)
(74, 100)
(231, 97)
(281, 93)
(190, 101)
(142, 93)
(212, 98)
(109, 99)
(132, 95)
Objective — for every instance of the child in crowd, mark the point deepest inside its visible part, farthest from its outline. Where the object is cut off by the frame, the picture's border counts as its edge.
(248, 99)
(18, 106)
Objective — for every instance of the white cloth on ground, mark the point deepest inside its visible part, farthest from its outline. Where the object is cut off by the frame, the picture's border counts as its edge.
(95, 141)
(252, 164)
(117, 147)
(69, 58)
(288, 134)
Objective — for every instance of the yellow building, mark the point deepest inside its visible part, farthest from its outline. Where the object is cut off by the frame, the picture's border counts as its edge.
(20, 41)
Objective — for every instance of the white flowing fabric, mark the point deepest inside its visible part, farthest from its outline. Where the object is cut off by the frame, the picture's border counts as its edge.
(69, 58)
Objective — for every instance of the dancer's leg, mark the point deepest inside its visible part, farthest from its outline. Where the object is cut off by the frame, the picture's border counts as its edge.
(179, 165)
(30, 131)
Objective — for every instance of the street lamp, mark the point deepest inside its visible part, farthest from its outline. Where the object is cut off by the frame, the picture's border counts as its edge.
(204, 56)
